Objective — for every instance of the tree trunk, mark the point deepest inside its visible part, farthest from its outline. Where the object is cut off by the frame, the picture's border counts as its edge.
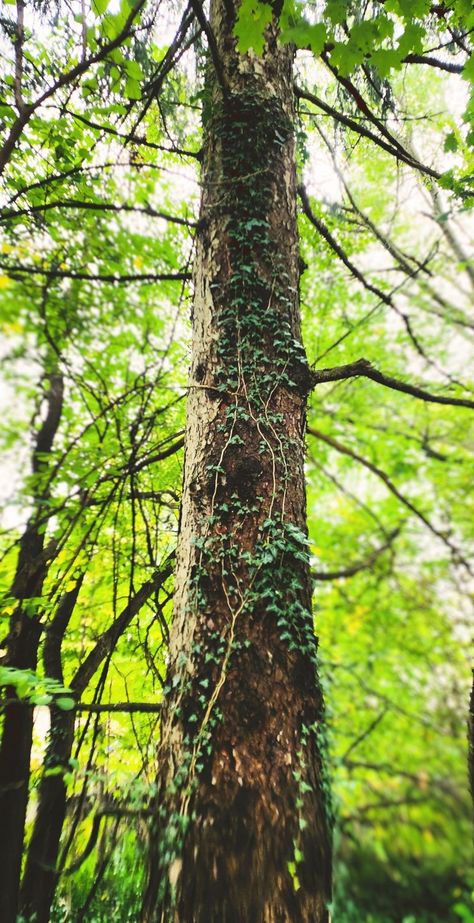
(41, 869)
(242, 833)
(40, 876)
(22, 653)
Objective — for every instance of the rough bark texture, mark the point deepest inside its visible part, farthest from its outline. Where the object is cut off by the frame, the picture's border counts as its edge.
(22, 653)
(242, 834)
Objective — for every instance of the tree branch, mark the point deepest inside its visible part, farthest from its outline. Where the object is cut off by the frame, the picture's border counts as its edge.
(109, 638)
(13, 214)
(366, 133)
(449, 66)
(363, 368)
(125, 707)
(64, 80)
(350, 453)
(96, 277)
(211, 39)
(356, 568)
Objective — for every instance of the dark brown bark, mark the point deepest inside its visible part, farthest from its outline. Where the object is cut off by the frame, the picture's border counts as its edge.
(241, 833)
(22, 653)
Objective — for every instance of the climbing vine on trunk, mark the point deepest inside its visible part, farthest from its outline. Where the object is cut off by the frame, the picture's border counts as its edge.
(243, 828)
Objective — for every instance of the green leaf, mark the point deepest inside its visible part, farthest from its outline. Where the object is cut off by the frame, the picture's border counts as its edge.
(414, 9)
(42, 699)
(345, 58)
(65, 703)
(412, 40)
(336, 11)
(468, 70)
(100, 6)
(251, 23)
(54, 771)
(305, 35)
(133, 70)
(133, 89)
(386, 60)
(450, 142)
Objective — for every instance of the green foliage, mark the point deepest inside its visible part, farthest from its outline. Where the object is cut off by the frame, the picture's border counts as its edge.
(80, 291)
(37, 690)
(253, 18)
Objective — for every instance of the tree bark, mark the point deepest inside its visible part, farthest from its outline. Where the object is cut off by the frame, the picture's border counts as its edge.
(241, 833)
(22, 653)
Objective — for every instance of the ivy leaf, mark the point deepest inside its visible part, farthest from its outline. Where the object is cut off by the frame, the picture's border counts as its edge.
(251, 23)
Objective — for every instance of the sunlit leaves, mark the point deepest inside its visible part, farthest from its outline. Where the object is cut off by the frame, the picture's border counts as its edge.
(252, 20)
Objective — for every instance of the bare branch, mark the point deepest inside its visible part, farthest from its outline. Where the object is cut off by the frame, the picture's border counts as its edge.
(363, 368)
(366, 133)
(76, 204)
(20, 271)
(360, 565)
(109, 638)
(125, 707)
(350, 453)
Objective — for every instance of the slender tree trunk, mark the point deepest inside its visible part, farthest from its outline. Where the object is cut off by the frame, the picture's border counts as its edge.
(22, 653)
(241, 833)
(40, 876)
(41, 869)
